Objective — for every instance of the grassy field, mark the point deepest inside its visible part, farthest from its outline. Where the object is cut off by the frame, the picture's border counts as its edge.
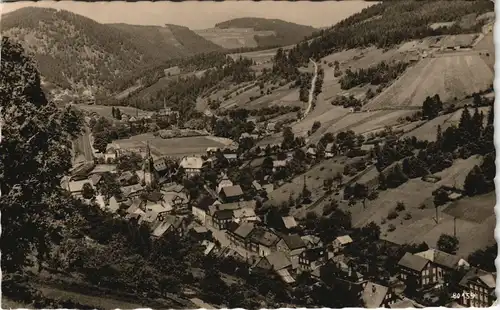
(428, 131)
(233, 37)
(105, 111)
(450, 76)
(176, 147)
(422, 225)
(260, 56)
(314, 182)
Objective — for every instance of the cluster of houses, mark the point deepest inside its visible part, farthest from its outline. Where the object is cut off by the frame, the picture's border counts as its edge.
(228, 216)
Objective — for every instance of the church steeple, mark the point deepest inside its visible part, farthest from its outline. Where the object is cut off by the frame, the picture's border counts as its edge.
(148, 166)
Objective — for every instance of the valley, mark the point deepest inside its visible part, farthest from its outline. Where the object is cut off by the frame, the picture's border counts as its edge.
(259, 163)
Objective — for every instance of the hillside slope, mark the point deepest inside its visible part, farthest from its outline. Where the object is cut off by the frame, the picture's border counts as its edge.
(253, 32)
(83, 57)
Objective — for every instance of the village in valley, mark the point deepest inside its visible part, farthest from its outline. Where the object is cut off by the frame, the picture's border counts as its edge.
(243, 167)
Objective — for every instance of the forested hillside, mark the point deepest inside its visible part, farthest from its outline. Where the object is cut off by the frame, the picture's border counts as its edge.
(286, 33)
(76, 53)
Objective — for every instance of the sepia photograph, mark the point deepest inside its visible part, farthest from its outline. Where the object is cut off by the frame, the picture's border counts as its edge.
(243, 154)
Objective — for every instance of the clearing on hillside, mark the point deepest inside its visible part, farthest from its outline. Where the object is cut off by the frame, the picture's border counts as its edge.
(106, 111)
(450, 76)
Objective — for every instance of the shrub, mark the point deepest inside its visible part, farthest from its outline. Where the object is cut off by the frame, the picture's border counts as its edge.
(391, 227)
(407, 216)
(392, 215)
(400, 206)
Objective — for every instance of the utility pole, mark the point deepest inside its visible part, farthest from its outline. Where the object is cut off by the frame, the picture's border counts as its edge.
(437, 216)
(455, 226)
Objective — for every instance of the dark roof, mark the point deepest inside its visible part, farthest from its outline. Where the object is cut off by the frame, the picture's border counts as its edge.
(175, 221)
(413, 262)
(488, 278)
(244, 230)
(223, 214)
(313, 255)
(373, 295)
(441, 258)
(293, 241)
(232, 191)
(264, 237)
(277, 260)
(205, 202)
(155, 196)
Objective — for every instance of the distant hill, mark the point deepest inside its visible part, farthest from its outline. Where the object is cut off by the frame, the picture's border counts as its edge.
(82, 56)
(250, 32)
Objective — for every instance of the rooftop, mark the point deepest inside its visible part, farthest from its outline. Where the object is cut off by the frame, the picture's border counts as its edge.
(278, 260)
(373, 295)
(264, 237)
(191, 163)
(289, 222)
(442, 258)
(232, 191)
(293, 241)
(244, 230)
(413, 262)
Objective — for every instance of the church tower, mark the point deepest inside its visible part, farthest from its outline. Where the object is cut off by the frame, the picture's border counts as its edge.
(148, 167)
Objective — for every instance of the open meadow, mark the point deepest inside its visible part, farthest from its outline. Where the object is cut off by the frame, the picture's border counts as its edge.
(106, 111)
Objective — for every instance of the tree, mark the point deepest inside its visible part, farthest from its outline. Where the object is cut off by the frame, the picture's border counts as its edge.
(448, 244)
(440, 197)
(87, 191)
(475, 182)
(315, 126)
(338, 178)
(288, 138)
(108, 186)
(34, 155)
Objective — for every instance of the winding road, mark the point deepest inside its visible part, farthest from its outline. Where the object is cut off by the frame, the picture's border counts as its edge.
(311, 91)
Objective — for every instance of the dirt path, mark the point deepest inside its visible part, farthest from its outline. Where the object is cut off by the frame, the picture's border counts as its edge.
(311, 91)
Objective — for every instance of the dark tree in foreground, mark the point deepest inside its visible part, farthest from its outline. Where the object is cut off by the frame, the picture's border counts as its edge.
(448, 244)
(34, 155)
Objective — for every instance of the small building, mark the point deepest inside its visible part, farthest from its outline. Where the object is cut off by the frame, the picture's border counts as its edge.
(279, 164)
(110, 154)
(256, 185)
(311, 259)
(76, 187)
(312, 241)
(170, 224)
(340, 243)
(329, 150)
(377, 296)
(289, 222)
(128, 178)
(200, 233)
(415, 271)
(224, 182)
(271, 127)
(231, 193)
(263, 241)
(291, 245)
(481, 283)
(311, 152)
(239, 234)
(278, 262)
(201, 209)
(245, 215)
(222, 218)
(442, 263)
(192, 165)
(231, 157)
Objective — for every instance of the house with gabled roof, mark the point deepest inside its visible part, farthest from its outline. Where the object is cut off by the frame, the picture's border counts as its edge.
(483, 284)
(263, 241)
(222, 218)
(231, 193)
(340, 243)
(377, 296)
(239, 234)
(224, 181)
(415, 271)
(442, 263)
(291, 245)
(310, 259)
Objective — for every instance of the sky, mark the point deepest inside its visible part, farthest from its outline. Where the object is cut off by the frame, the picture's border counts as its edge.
(202, 15)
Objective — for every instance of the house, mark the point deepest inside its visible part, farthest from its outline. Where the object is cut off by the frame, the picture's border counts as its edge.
(263, 241)
(224, 182)
(279, 164)
(170, 224)
(160, 165)
(442, 263)
(222, 218)
(240, 234)
(110, 154)
(95, 179)
(212, 150)
(231, 193)
(113, 205)
(291, 245)
(132, 190)
(278, 262)
(137, 204)
(76, 187)
(245, 215)
(216, 206)
(415, 271)
(200, 210)
(329, 150)
(256, 185)
(312, 241)
(289, 222)
(231, 157)
(340, 243)
(209, 247)
(311, 152)
(128, 178)
(377, 296)
(311, 259)
(200, 233)
(191, 165)
(482, 284)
